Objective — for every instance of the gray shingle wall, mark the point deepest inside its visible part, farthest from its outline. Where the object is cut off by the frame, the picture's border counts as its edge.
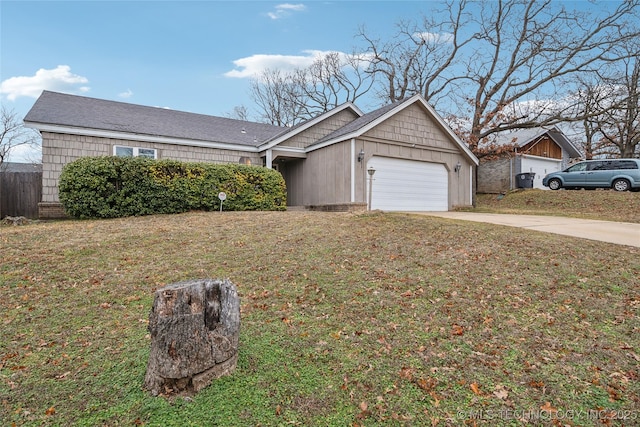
(320, 130)
(413, 127)
(61, 149)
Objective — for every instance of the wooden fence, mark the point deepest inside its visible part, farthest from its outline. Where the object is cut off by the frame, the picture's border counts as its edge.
(20, 193)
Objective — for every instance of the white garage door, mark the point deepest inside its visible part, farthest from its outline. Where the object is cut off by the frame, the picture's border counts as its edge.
(408, 185)
(540, 167)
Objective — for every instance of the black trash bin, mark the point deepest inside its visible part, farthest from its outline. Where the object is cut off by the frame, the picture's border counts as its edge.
(525, 180)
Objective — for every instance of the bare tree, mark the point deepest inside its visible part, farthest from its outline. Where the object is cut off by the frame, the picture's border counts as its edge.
(593, 95)
(279, 99)
(620, 125)
(493, 56)
(239, 112)
(286, 99)
(332, 80)
(611, 111)
(13, 133)
(419, 57)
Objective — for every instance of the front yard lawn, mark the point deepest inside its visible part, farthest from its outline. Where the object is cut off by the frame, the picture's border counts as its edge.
(347, 320)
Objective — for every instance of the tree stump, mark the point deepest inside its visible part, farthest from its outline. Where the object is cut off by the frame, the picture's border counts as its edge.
(194, 328)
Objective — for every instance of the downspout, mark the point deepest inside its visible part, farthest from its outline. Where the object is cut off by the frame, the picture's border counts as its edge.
(353, 170)
(511, 166)
(471, 184)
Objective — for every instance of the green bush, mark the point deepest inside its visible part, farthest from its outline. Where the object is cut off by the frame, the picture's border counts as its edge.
(111, 187)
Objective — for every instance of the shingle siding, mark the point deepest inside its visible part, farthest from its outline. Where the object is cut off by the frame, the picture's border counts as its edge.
(315, 133)
(61, 149)
(411, 126)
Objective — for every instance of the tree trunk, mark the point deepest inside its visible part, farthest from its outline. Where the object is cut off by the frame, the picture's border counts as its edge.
(194, 328)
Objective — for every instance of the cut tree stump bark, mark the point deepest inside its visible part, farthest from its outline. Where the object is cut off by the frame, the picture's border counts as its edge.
(194, 328)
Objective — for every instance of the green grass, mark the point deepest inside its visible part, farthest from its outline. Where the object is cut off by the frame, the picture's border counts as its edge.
(347, 319)
(597, 204)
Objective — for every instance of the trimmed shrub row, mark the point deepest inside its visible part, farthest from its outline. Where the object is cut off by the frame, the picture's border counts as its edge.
(112, 187)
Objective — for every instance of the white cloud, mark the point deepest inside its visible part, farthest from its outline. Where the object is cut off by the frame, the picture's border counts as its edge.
(126, 94)
(254, 65)
(285, 9)
(437, 38)
(59, 79)
(26, 153)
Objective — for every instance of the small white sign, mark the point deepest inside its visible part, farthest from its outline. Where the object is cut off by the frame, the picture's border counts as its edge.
(222, 196)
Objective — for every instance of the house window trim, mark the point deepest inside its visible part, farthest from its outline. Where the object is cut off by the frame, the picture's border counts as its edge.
(136, 150)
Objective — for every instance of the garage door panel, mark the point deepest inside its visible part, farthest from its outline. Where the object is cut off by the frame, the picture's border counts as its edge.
(540, 167)
(408, 185)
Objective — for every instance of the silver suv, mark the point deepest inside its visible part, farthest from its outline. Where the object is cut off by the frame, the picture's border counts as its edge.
(619, 174)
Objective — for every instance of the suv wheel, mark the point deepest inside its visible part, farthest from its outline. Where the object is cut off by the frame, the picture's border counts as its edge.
(621, 185)
(555, 184)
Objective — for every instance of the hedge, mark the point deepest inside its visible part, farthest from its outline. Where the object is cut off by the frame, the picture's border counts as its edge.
(112, 187)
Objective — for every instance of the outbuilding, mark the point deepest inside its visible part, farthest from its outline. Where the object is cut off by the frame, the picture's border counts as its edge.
(534, 152)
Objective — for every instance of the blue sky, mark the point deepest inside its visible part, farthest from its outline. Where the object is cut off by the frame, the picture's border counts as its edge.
(172, 54)
(180, 55)
(193, 56)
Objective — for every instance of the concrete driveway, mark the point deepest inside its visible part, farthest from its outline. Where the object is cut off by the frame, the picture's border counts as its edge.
(621, 233)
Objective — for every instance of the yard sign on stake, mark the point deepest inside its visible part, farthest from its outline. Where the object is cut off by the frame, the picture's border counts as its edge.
(222, 196)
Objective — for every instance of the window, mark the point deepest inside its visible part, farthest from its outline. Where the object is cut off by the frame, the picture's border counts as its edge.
(624, 164)
(578, 167)
(122, 151)
(599, 166)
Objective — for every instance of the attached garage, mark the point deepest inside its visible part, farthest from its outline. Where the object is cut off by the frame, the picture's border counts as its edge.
(408, 185)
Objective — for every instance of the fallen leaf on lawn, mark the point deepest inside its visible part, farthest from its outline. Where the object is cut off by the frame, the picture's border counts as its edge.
(548, 408)
(406, 373)
(363, 406)
(436, 399)
(50, 411)
(278, 410)
(427, 384)
(501, 393)
(475, 388)
(457, 330)
(344, 385)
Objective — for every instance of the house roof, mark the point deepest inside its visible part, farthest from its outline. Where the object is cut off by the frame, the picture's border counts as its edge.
(365, 123)
(63, 113)
(57, 110)
(522, 137)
